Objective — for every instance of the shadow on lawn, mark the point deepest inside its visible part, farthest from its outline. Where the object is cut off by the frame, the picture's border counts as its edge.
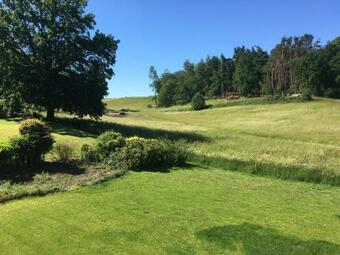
(92, 128)
(255, 239)
(168, 169)
(25, 175)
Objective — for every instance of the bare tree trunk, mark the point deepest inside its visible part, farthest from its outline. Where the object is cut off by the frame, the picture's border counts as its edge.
(50, 113)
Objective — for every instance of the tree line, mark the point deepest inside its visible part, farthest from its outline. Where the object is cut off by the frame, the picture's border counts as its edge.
(296, 65)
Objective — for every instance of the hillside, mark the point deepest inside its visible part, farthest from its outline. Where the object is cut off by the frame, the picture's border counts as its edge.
(199, 208)
(289, 138)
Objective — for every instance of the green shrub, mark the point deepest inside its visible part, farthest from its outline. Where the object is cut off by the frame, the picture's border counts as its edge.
(38, 134)
(108, 142)
(34, 142)
(6, 156)
(24, 153)
(198, 102)
(63, 152)
(88, 153)
(145, 154)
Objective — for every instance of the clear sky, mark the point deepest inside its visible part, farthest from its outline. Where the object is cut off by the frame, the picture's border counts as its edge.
(165, 33)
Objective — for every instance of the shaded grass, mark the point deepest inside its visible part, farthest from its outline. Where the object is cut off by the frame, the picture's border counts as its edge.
(53, 177)
(196, 211)
(94, 128)
(255, 239)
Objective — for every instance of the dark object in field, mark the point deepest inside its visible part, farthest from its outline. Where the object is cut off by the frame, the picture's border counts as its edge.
(231, 95)
(114, 113)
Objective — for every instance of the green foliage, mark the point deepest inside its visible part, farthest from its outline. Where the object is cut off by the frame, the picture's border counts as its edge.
(52, 57)
(249, 70)
(12, 106)
(108, 142)
(88, 153)
(6, 157)
(38, 133)
(210, 77)
(146, 154)
(297, 65)
(34, 142)
(63, 152)
(281, 73)
(319, 71)
(198, 102)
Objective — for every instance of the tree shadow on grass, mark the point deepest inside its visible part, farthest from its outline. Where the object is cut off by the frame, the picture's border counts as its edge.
(255, 239)
(24, 175)
(168, 169)
(92, 128)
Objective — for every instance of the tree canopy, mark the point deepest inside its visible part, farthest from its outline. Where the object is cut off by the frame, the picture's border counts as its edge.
(51, 54)
(298, 64)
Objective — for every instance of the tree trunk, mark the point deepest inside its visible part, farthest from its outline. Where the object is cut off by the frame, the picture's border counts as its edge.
(50, 113)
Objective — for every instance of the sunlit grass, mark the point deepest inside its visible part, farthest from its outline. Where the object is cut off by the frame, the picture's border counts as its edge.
(294, 135)
(192, 211)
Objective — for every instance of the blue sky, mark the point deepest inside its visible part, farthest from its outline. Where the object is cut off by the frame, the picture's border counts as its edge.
(165, 33)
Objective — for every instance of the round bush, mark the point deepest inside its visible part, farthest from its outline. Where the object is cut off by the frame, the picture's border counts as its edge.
(108, 142)
(146, 154)
(198, 102)
(35, 141)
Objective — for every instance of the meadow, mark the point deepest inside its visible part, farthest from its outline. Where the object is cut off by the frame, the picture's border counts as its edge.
(302, 139)
(205, 207)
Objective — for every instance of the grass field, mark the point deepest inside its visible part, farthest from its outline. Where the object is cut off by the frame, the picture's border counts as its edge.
(197, 209)
(298, 141)
(303, 138)
(190, 211)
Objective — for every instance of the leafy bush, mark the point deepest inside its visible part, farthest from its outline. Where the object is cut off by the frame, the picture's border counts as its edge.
(63, 152)
(88, 153)
(109, 142)
(141, 154)
(24, 151)
(6, 156)
(34, 142)
(198, 102)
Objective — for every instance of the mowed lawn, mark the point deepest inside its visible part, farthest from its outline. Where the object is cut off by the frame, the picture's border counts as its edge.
(190, 211)
(75, 137)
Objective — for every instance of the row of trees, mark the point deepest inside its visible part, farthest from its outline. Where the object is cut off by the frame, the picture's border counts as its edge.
(296, 65)
(52, 57)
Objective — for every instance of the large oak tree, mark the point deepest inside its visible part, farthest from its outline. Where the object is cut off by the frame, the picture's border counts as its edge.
(51, 54)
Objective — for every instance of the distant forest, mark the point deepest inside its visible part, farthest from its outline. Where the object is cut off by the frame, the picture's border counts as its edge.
(297, 65)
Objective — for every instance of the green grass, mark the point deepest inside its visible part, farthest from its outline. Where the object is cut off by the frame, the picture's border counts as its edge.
(191, 211)
(132, 103)
(75, 137)
(298, 141)
(285, 135)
